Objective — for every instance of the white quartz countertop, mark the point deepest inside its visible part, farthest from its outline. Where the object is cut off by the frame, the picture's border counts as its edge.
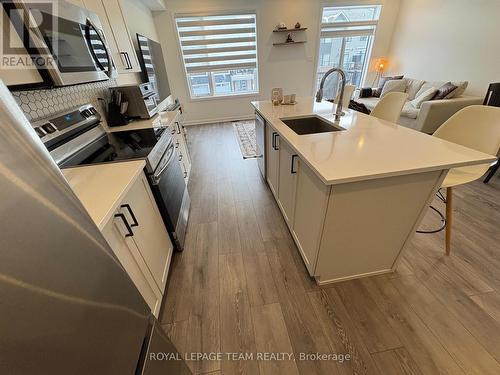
(102, 187)
(162, 119)
(369, 148)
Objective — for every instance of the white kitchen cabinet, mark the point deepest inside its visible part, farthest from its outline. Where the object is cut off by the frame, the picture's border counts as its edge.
(272, 159)
(131, 260)
(309, 215)
(287, 179)
(140, 240)
(150, 234)
(290, 184)
(116, 32)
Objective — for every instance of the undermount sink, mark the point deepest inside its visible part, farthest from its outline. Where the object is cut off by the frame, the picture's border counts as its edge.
(310, 125)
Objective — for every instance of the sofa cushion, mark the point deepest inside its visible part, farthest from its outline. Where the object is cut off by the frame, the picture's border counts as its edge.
(412, 87)
(409, 111)
(370, 103)
(444, 90)
(381, 82)
(395, 85)
(461, 86)
(427, 85)
(423, 97)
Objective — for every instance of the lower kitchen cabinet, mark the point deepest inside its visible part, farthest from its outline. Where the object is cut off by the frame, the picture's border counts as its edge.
(309, 214)
(272, 159)
(139, 239)
(131, 260)
(301, 196)
(287, 178)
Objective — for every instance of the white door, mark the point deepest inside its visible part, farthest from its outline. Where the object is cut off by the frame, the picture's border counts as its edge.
(272, 159)
(287, 180)
(150, 234)
(310, 210)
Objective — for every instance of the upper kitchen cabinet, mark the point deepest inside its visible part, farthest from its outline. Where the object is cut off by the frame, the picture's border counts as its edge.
(117, 35)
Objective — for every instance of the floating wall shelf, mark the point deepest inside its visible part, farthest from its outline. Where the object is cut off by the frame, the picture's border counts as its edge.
(289, 30)
(288, 43)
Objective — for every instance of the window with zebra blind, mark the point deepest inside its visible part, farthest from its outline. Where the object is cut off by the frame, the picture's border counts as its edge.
(219, 53)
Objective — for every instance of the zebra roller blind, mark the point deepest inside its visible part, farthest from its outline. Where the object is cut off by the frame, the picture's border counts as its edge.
(217, 42)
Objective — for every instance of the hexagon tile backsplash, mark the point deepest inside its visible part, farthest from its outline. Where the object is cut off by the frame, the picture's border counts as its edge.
(37, 104)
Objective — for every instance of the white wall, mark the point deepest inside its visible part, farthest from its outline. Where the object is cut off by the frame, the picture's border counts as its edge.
(441, 40)
(290, 67)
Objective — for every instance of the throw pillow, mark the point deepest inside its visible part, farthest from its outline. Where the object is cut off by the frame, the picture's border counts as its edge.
(423, 97)
(444, 90)
(413, 86)
(395, 85)
(365, 92)
(461, 86)
(381, 82)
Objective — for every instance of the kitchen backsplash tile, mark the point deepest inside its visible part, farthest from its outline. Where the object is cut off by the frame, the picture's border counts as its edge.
(38, 104)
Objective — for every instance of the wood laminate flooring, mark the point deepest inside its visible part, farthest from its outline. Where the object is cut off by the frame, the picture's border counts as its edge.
(240, 285)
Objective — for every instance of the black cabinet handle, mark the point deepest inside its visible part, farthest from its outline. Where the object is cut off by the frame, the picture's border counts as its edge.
(275, 141)
(292, 171)
(185, 174)
(127, 60)
(177, 144)
(180, 157)
(178, 127)
(127, 206)
(124, 219)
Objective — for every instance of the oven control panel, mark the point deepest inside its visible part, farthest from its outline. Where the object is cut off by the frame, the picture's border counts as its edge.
(64, 124)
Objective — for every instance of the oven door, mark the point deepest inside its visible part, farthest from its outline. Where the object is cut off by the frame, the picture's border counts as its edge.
(71, 40)
(172, 198)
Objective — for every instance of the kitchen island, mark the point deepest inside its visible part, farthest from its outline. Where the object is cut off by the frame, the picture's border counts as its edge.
(353, 198)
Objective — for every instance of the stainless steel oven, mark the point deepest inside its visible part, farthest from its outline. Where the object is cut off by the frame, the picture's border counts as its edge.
(65, 40)
(170, 191)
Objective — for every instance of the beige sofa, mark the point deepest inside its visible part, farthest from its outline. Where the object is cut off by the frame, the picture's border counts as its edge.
(432, 113)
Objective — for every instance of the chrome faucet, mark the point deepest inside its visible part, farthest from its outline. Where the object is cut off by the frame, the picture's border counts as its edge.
(319, 94)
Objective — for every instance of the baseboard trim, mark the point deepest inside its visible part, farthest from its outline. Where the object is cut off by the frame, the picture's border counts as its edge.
(352, 277)
(215, 120)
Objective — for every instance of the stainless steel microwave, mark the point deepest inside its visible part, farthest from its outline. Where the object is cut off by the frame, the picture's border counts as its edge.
(64, 40)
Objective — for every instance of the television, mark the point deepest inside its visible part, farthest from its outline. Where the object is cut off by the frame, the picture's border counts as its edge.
(153, 67)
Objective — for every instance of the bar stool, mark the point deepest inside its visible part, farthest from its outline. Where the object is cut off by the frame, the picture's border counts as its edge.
(476, 127)
(492, 98)
(389, 106)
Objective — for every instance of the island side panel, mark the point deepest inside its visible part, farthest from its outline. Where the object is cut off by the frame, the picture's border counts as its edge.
(369, 222)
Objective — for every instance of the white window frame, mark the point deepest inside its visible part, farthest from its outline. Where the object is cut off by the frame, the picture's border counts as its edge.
(211, 82)
(373, 23)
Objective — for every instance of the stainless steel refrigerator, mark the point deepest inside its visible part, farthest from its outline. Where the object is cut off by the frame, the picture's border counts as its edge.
(66, 304)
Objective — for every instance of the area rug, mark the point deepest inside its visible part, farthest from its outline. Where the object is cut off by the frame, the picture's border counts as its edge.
(245, 134)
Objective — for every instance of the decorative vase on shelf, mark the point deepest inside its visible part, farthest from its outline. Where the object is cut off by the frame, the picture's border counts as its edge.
(297, 25)
(280, 26)
(289, 38)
